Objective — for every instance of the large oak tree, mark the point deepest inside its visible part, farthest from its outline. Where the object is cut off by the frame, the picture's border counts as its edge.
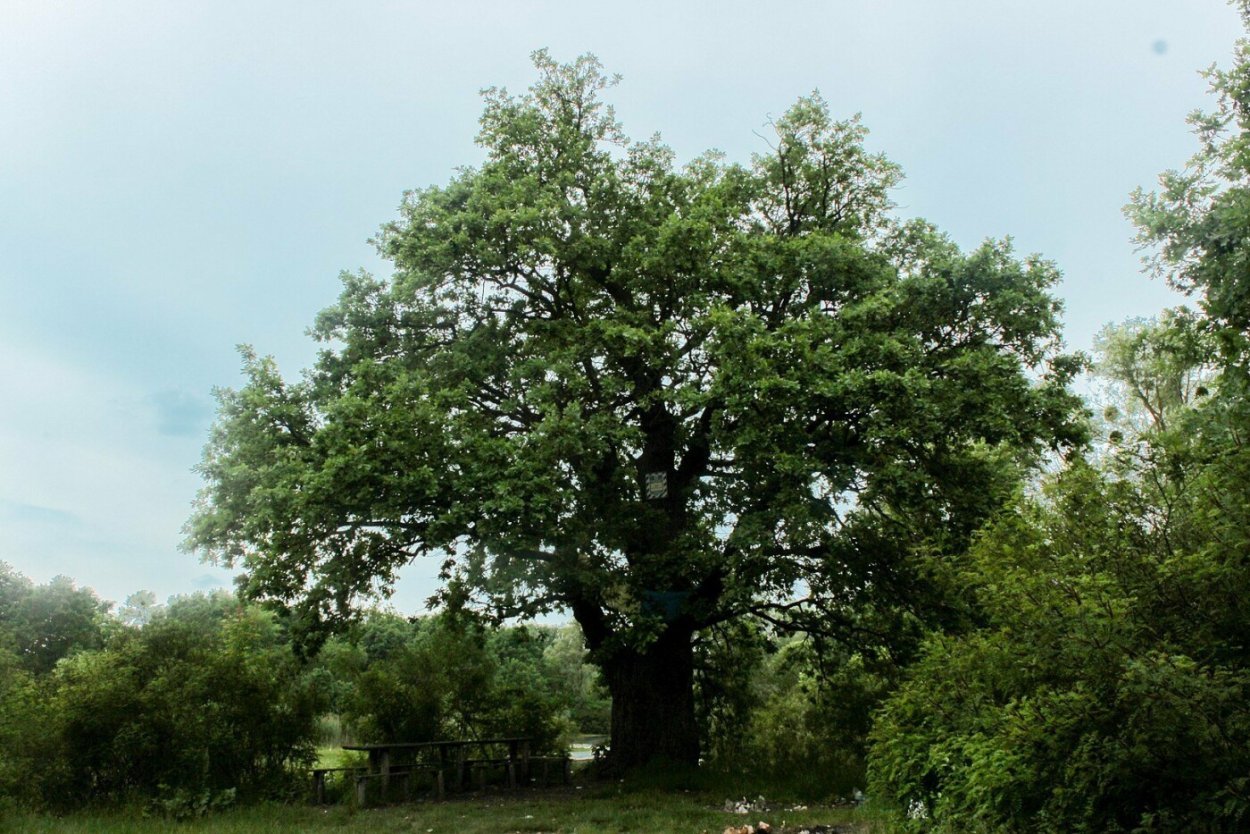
(657, 396)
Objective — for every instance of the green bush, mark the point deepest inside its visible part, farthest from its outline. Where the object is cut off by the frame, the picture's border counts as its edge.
(577, 683)
(793, 716)
(814, 726)
(447, 677)
(1108, 689)
(30, 753)
(204, 702)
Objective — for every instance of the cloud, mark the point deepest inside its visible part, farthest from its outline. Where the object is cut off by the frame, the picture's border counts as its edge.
(207, 582)
(179, 414)
(33, 513)
(93, 488)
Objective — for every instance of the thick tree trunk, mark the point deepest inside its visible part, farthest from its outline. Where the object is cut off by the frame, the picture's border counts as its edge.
(653, 703)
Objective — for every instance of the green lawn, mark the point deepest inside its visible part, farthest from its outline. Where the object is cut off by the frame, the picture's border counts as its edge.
(338, 757)
(596, 810)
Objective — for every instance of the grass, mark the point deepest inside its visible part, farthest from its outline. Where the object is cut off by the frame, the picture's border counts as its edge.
(338, 757)
(595, 809)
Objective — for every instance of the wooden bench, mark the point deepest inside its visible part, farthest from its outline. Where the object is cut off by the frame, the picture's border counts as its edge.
(398, 775)
(548, 764)
(402, 759)
(479, 767)
(319, 780)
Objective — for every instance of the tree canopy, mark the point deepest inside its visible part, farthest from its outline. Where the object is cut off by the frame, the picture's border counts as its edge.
(658, 396)
(44, 623)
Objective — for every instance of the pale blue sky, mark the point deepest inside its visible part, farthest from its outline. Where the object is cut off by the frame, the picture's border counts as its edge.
(179, 178)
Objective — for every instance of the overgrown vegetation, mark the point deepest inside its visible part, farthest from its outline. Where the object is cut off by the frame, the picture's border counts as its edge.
(1107, 684)
(451, 677)
(203, 702)
(789, 713)
(203, 705)
(207, 702)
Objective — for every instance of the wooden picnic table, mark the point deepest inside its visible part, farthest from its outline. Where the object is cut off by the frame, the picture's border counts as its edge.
(384, 758)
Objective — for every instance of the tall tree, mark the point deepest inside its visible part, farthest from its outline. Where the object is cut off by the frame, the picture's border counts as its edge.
(44, 623)
(660, 397)
(1194, 225)
(1196, 230)
(1154, 367)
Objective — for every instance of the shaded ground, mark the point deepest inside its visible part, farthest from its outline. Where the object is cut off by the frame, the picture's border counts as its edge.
(564, 810)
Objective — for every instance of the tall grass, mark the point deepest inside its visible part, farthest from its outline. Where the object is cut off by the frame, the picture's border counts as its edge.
(332, 732)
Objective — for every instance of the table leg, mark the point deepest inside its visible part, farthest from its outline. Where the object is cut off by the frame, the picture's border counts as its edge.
(518, 762)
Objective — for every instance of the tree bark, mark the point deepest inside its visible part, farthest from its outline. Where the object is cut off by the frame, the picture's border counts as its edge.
(652, 692)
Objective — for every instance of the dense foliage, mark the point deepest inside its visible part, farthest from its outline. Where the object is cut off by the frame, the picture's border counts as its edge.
(43, 623)
(787, 713)
(1108, 688)
(206, 702)
(450, 677)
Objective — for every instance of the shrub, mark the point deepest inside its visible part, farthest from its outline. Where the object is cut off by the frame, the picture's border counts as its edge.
(794, 715)
(447, 677)
(205, 701)
(1105, 691)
